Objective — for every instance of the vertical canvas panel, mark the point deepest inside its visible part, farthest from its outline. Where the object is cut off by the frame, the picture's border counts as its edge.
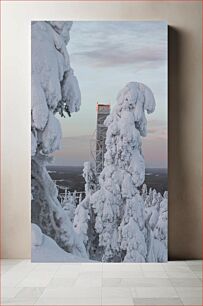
(99, 141)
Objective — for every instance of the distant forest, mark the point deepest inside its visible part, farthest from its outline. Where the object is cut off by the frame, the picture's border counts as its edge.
(72, 177)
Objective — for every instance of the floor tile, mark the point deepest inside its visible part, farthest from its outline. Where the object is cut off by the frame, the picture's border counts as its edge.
(5, 268)
(68, 271)
(29, 292)
(189, 291)
(198, 274)
(155, 274)
(21, 301)
(118, 301)
(192, 301)
(88, 282)
(90, 274)
(175, 262)
(15, 275)
(154, 292)
(157, 301)
(177, 268)
(9, 292)
(112, 282)
(193, 262)
(12, 262)
(185, 282)
(73, 292)
(123, 274)
(116, 292)
(38, 275)
(196, 268)
(56, 283)
(69, 301)
(92, 267)
(152, 267)
(146, 282)
(179, 274)
(37, 280)
(124, 267)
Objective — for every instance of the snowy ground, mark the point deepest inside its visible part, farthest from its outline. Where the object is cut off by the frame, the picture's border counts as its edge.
(45, 249)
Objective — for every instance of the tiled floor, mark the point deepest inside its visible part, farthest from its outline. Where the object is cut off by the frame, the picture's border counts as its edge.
(173, 283)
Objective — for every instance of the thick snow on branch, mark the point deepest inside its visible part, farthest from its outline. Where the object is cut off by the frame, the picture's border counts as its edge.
(139, 98)
(69, 205)
(51, 217)
(55, 90)
(50, 137)
(81, 219)
(156, 221)
(84, 219)
(54, 86)
(118, 205)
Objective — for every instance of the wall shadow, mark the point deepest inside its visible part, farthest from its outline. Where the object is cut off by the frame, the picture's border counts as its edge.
(184, 240)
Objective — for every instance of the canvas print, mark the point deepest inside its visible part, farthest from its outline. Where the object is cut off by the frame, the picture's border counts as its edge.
(99, 141)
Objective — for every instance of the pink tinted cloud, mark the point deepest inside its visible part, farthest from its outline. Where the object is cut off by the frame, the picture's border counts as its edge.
(76, 150)
(117, 55)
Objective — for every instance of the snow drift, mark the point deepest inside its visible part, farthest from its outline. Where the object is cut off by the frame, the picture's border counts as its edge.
(45, 249)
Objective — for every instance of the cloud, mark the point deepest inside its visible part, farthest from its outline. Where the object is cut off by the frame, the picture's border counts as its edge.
(157, 129)
(117, 55)
(88, 34)
(110, 44)
(76, 150)
(155, 152)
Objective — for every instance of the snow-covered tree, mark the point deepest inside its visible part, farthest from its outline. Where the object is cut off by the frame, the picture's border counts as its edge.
(55, 90)
(156, 226)
(84, 220)
(69, 205)
(118, 205)
(81, 219)
(144, 192)
(154, 197)
(160, 231)
(152, 208)
(159, 199)
(90, 178)
(148, 198)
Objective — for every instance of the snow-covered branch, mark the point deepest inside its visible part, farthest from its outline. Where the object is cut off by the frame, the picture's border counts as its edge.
(55, 90)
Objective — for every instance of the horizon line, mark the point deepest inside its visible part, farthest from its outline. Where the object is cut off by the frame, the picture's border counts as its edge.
(79, 166)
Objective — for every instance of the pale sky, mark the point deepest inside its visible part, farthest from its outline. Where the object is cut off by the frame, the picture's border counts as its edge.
(105, 56)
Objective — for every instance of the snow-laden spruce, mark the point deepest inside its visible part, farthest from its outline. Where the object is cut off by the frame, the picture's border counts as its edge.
(156, 222)
(160, 231)
(84, 221)
(69, 205)
(119, 208)
(55, 90)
